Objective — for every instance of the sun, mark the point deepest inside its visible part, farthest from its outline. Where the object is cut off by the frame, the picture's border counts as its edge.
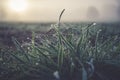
(18, 5)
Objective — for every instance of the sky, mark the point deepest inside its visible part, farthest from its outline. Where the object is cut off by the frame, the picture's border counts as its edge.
(49, 10)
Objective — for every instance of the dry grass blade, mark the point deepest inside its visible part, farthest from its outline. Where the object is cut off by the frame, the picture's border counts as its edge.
(60, 17)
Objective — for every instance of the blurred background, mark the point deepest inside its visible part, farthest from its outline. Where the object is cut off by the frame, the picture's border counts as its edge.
(49, 10)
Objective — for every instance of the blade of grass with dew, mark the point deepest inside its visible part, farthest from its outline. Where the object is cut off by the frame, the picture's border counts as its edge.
(78, 46)
(18, 45)
(46, 56)
(17, 58)
(84, 74)
(60, 53)
(33, 42)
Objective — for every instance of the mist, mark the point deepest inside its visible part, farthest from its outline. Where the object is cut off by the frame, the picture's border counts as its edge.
(76, 11)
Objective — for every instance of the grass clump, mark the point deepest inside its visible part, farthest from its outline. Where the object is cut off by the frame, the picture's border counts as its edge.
(64, 55)
(61, 56)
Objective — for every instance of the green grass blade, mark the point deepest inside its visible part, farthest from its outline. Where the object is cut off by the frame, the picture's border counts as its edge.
(18, 45)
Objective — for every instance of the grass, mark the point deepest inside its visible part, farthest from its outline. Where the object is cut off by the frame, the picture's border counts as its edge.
(68, 54)
(61, 56)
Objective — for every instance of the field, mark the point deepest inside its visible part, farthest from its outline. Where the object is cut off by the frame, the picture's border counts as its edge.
(69, 51)
(24, 30)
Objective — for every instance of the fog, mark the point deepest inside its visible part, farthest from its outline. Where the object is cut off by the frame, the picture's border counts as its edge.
(76, 11)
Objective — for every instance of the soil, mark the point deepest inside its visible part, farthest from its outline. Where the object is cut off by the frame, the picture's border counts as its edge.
(6, 35)
(105, 71)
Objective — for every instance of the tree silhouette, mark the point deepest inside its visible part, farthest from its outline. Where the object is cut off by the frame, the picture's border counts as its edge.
(2, 11)
(118, 12)
(92, 13)
(118, 9)
(2, 14)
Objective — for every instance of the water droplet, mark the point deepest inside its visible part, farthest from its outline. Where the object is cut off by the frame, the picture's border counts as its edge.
(56, 75)
(28, 38)
(36, 64)
(94, 24)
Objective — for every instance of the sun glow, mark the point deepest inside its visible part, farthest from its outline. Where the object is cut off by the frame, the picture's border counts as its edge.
(18, 5)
